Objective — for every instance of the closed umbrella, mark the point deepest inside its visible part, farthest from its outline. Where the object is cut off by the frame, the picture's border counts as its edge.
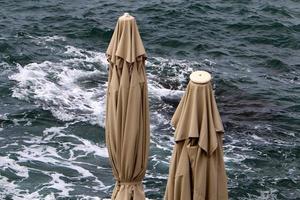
(127, 116)
(197, 170)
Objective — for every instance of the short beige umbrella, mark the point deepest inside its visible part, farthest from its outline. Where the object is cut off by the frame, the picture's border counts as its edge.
(127, 117)
(197, 170)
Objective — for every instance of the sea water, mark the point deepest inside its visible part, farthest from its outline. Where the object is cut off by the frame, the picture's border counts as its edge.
(53, 80)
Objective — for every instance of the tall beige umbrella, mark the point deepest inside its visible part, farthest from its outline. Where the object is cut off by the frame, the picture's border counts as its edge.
(197, 169)
(127, 116)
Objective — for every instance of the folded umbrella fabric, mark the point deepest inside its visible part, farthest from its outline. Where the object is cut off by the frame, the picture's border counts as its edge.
(127, 127)
(197, 170)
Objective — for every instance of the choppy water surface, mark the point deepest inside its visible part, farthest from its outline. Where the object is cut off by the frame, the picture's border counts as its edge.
(53, 81)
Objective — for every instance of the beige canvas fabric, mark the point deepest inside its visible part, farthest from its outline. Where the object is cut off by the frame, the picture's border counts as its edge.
(127, 116)
(197, 170)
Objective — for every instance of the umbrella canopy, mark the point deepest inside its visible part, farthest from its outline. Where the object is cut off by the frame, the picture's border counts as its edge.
(197, 169)
(127, 116)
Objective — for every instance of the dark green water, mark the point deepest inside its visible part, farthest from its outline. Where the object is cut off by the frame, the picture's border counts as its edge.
(53, 81)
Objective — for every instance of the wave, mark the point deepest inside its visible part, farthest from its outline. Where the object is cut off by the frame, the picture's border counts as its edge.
(55, 86)
(73, 89)
(41, 155)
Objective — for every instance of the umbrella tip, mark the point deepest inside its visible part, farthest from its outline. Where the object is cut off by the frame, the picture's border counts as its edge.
(126, 14)
(200, 77)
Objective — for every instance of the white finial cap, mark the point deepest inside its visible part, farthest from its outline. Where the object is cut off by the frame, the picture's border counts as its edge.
(126, 16)
(200, 77)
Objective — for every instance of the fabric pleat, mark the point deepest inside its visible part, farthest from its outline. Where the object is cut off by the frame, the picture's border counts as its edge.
(127, 111)
(197, 169)
(197, 116)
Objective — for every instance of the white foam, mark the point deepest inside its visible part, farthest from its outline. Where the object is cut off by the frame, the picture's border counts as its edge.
(37, 149)
(50, 197)
(256, 137)
(60, 185)
(47, 39)
(19, 170)
(159, 91)
(12, 189)
(80, 55)
(65, 98)
(236, 158)
(271, 194)
(182, 69)
(86, 146)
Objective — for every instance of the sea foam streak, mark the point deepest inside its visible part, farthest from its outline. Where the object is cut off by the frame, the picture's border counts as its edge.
(56, 87)
(39, 149)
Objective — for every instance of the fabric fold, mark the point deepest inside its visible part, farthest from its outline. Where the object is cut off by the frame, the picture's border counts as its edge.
(197, 116)
(197, 169)
(126, 42)
(127, 129)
